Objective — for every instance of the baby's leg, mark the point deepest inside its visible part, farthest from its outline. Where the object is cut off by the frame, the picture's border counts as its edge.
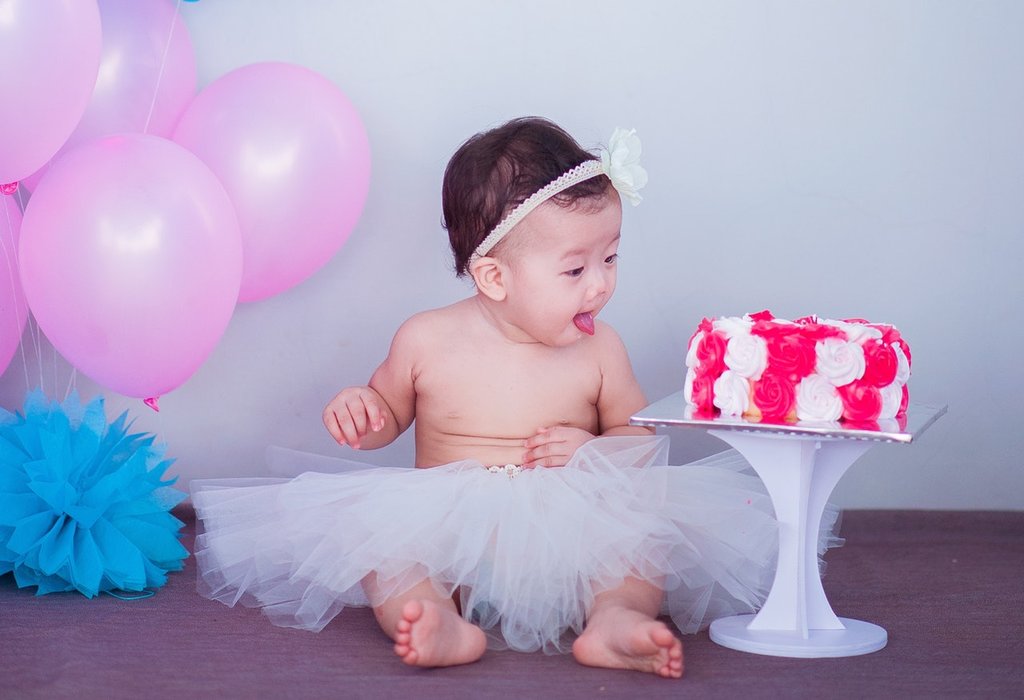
(426, 627)
(622, 632)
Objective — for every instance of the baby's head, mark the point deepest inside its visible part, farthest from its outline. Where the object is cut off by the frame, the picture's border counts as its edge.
(494, 172)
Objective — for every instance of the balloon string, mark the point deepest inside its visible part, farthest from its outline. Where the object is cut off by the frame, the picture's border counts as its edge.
(71, 382)
(161, 430)
(33, 328)
(37, 341)
(56, 383)
(9, 259)
(163, 62)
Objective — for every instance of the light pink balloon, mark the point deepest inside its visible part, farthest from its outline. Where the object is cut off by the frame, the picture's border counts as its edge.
(131, 260)
(13, 310)
(49, 56)
(147, 74)
(293, 155)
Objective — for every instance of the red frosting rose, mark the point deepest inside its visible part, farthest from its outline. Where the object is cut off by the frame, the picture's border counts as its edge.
(765, 315)
(891, 336)
(774, 395)
(904, 402)
(711, 353)
(766, 327)
(880, 363)
(861, 401)
(703, 393)
(819, 331)
(705, 325)
(790, 353)
(889, 333)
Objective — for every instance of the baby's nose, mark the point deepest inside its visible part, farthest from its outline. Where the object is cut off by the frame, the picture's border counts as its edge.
(598, 286)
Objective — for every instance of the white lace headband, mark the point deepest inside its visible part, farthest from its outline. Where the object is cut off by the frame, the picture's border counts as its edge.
(620, 162)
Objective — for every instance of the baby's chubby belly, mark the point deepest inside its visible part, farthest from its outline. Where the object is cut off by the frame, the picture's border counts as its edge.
(434, 448)
(493, 431)
(453, 440)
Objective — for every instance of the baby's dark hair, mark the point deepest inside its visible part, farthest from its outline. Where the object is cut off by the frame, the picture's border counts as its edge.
(495, 171)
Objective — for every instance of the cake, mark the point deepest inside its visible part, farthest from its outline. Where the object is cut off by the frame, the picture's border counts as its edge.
(809, 370)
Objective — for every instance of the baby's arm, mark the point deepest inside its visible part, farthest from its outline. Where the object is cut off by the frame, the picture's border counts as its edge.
(621, 395)
(368, 417)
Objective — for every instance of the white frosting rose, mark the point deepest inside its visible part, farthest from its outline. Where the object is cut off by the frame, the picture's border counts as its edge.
(839, 361)
(747, 355)
(892, 397)
(732, 394)
(732, 325)
(855, 332)
(902, 364)
(818, 400)
(691, 352)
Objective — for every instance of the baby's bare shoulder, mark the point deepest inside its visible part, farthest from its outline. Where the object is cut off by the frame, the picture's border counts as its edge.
(606, 339)
(429, 328)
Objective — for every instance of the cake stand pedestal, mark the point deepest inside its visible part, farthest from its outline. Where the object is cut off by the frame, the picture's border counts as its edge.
(800, 464)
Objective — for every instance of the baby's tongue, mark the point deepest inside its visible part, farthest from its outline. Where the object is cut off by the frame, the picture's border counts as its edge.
(585, 322)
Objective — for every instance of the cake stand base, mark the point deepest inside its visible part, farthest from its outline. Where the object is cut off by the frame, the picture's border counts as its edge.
(800, 465)
(856, 638)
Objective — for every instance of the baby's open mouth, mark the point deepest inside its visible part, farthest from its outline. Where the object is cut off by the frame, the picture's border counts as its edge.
(585, 322)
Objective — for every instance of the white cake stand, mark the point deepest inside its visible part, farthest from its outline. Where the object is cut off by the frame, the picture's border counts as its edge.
(800, 464)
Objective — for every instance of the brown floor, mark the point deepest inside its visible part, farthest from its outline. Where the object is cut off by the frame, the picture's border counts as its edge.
(945, 585)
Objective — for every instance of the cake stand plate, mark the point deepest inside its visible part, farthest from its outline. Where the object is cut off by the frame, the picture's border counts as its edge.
(800, 465)
(856, 637)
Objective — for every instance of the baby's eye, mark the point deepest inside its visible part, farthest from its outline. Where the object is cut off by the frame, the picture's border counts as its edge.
(611, 259)
(575, 272)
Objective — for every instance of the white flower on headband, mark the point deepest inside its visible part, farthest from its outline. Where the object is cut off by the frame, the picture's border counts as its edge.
(621, 162)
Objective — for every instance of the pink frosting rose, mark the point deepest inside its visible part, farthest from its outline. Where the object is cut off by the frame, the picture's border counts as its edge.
(775, 396)
(880, 363)
(861, 401)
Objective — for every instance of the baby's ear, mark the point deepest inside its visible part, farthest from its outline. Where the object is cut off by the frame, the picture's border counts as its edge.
(488, 274)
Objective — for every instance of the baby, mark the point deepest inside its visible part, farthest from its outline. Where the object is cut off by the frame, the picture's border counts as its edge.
(520, 373)
(537, 518)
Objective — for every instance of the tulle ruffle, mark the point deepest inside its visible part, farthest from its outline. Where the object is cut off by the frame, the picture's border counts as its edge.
(524, 556)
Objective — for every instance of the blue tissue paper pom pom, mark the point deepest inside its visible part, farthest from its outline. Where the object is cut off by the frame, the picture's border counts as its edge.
(82, 503)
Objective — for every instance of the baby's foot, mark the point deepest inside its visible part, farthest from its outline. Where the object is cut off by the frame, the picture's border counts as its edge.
(429, 635)
(624, 638)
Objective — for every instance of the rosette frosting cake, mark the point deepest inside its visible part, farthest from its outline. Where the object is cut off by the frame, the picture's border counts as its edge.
(818, 370)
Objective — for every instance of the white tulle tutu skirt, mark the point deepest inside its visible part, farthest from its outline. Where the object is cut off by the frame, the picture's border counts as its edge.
(524, 556)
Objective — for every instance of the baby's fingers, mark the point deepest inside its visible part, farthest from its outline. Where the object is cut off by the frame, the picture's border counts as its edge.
(354, 424)
(544, 436)
(344, 430)
(330, 419)
(550, 454)
(374, 415)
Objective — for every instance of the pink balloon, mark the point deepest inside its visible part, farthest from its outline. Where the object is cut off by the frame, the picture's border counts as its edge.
(147, 74)
(131, 260)
(49, 53)
(293, 155)
(13, 310)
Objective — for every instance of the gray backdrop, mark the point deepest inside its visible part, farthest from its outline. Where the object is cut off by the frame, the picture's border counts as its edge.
(838, 158)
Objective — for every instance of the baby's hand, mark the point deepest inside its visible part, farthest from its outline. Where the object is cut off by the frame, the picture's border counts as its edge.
(552, 447)
(353, 413)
